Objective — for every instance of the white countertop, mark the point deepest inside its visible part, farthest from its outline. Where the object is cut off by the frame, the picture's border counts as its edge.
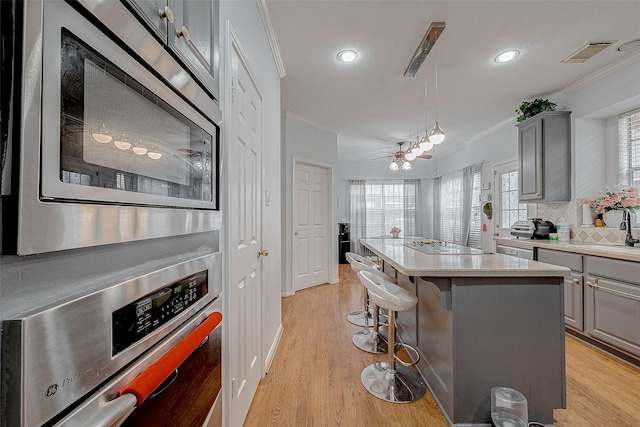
(618, 252)
(412, 262)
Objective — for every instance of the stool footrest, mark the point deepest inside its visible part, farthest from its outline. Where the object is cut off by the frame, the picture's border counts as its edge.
(409, 350)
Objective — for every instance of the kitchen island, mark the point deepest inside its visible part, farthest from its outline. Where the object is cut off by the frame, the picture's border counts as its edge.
(482, 320)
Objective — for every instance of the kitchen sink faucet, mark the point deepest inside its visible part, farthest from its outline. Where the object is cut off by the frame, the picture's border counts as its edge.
(626, 225)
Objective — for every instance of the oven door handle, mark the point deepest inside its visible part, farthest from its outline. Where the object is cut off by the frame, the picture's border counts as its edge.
(149, 379)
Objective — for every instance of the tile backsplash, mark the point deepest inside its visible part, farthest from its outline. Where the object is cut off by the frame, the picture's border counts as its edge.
(571, 213)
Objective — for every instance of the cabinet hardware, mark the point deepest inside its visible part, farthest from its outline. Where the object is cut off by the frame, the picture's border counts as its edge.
(166, 13)
(614, 291)
(183, 32)
(263, 252)
(576, 281)
(296, 233)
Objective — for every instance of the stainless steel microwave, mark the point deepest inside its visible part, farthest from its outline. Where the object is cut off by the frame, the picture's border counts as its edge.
(119, 142)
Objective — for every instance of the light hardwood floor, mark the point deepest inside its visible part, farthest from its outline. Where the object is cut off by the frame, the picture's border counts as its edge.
(315, 376)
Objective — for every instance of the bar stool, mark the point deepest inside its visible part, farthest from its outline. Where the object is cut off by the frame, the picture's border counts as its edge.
(370, 339)
(386, 380)
(361, 317)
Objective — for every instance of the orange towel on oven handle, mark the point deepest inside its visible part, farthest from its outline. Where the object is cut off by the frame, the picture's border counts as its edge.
(145, 383)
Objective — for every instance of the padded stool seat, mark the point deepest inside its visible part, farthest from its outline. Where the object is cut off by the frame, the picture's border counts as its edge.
(385, 380)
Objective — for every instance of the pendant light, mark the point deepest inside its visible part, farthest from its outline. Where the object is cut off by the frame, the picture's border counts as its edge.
(425, 143)
(415, 150)
(436, 135)
(394, 166)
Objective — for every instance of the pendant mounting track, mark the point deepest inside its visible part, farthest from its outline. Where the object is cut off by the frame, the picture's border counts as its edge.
(425, 46)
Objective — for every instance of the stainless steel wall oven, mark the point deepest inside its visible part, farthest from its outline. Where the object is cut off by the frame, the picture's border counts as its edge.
(111, 357)
(118, 141)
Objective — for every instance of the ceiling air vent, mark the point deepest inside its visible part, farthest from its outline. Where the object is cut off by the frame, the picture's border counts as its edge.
(587, 51)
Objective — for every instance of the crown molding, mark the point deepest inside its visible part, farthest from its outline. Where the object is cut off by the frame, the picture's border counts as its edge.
(271, 35)
(290, 115)
(600, 74)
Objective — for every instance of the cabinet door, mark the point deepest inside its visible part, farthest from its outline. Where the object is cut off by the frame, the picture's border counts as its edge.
(154, 14)
(612, 313)
(530, 160)
(193, 38)
(573, 301)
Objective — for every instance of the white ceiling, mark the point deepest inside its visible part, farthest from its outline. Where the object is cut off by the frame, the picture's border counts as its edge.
(371, 105)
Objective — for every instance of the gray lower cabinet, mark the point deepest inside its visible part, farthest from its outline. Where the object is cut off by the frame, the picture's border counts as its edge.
(612, 302)
(573, 284)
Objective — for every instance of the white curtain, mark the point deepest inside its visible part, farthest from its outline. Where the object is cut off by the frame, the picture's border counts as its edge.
(375, 206)
(454, 199)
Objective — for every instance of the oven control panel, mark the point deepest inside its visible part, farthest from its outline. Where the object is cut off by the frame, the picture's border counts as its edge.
(140, 318)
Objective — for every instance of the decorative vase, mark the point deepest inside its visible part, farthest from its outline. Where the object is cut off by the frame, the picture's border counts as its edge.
(394, 235)
(612, 219)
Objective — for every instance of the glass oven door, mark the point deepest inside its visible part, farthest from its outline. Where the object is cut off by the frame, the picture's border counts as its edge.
(114, 134)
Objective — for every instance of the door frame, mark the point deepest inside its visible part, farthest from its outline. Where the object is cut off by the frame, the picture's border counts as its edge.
(233, 43)
(332, 238)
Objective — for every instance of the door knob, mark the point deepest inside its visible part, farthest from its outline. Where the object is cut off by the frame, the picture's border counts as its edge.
(262, 252)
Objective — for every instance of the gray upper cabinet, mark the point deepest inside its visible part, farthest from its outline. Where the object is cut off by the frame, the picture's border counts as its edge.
(188, 28)
(544, 157)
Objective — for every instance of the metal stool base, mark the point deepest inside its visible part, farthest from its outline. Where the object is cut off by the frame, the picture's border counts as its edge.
(366, 341)
(403, 386)
(360, 318)
(364, 319)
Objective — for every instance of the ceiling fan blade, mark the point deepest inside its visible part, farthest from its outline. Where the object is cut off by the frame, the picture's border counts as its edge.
(383, 157)
(424, 156)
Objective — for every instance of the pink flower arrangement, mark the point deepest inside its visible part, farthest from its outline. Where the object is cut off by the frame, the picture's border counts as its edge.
(624, 197)
(396, 230)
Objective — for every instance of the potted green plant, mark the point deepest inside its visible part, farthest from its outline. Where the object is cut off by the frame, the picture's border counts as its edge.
(529, 109)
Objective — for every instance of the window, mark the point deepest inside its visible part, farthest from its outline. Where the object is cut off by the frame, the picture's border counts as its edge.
(629, 139)
(510, 210)
(375, 207)
(459, 207)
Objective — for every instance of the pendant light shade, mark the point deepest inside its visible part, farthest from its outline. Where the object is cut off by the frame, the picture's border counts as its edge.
(436, 135)
(394, 166)
(410, 155)
(425, 143)
(406, 166)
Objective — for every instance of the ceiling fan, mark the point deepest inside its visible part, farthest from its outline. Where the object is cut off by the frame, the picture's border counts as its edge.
(399, 160)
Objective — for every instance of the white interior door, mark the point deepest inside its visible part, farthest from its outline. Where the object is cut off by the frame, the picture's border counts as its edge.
(311, 222)
(244, 315)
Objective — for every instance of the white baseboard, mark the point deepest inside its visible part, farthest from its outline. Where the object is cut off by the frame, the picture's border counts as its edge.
(273, 349)
(334, 281)
(288, 294)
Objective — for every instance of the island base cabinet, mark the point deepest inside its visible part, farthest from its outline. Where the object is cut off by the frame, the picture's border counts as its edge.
(477, 333)
(613, 313)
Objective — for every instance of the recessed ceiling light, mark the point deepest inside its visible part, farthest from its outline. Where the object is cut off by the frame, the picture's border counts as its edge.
(633, 44)
(507, 56)
(347, 56)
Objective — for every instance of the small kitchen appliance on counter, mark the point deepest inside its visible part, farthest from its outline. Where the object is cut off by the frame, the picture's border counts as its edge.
(533, 228)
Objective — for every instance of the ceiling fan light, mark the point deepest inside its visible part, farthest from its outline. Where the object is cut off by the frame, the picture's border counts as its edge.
(436, 135)
(394, 166)
(406, 166)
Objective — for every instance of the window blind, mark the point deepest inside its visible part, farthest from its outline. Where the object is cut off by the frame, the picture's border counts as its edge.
(629, 140)
(454, 205)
